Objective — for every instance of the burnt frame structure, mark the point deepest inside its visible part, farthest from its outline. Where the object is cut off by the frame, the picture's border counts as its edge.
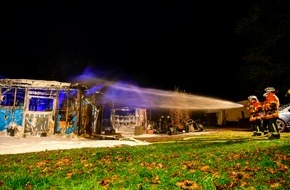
(40, 106)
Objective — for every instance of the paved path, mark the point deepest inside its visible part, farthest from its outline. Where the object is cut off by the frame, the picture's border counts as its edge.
(15, 145)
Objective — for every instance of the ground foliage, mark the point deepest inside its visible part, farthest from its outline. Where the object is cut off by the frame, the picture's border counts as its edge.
(220, 160)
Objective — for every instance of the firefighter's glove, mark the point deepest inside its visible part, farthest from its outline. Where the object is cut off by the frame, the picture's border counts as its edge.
(273, 105)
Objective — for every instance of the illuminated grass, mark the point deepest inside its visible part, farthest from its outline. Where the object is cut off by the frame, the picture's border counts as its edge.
(227, 160)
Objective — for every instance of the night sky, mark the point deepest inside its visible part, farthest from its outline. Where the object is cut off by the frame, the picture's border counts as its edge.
(158, 44)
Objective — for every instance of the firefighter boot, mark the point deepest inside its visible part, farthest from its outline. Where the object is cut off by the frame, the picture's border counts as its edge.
(276, 133)
(258, 133)
(274, 136)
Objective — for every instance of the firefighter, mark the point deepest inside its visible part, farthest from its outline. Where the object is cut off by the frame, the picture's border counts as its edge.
(271, 111)
(255, 109)
(287, 93)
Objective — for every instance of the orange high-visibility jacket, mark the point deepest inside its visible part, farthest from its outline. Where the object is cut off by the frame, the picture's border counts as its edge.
(272, 98)
(255, 109)
(271, 106)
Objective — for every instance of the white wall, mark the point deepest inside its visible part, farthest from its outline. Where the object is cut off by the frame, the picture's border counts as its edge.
(232, 115)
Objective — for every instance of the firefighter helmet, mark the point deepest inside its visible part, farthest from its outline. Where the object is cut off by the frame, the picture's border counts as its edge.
(252, 97)
(270, 89)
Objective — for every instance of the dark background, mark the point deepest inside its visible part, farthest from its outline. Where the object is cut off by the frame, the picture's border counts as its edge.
(160, 44)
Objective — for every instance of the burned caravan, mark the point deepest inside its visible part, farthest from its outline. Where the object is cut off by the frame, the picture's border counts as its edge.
(40, 107)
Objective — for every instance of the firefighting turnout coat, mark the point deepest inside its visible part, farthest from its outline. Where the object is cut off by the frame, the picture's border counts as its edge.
(271, 106)
(255, 109)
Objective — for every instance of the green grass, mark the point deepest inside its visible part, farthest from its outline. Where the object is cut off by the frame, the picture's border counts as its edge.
(224, 160)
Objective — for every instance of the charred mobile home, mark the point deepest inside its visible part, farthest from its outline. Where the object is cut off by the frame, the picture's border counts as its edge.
(40, 107)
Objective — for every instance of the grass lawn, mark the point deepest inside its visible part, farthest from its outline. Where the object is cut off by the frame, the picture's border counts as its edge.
(221, 160)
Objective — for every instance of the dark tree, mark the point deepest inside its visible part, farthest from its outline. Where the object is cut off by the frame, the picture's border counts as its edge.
(265, 32)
